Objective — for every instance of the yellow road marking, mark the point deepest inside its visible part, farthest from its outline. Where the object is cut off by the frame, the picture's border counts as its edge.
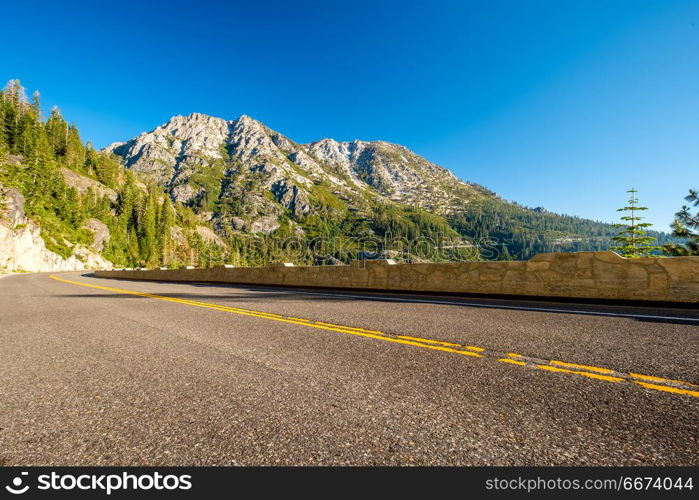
(248, 312)
(428, 340)
(274, 315)
(666, 388)
(407, 340)
(659, 379)
(512, 361)
(585, 374)
(349, 327)
(420, 339)
(584, 367)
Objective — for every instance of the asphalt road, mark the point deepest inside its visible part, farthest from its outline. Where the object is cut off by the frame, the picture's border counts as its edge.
(194, 374)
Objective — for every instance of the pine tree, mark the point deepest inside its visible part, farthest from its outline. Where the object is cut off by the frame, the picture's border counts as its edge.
(101, 166)
(36, 105)
(686, 226)
(57, 129)
(25, 135)
(147, 229)
(16, 93)
(132, 246)
(165, 222)
(15, 107)
(74, 150)
(40, 166)
(10, 117)
(72, 209)
(633, 237)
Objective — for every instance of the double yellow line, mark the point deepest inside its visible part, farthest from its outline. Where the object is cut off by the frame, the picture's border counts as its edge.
(660, 384)
(399, 339)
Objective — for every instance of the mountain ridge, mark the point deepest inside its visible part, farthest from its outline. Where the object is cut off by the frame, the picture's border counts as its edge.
(246, 177)
(202, 190)
(176, 150)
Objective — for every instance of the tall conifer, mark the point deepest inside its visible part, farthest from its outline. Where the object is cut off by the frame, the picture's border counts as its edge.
(633, 239)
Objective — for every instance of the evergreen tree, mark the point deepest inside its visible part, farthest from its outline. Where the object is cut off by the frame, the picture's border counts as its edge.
(686, 226)
(165, 223)
(57, 129)
(633, 239)
(36, 105)
(16, 93)
(9, 121)
(74, 149)
(25, 134)
(102, 166)
(39, 178)
(147, 228)
(14, 100)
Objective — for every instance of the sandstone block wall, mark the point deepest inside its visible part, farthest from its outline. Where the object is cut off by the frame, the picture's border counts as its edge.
(592, 275)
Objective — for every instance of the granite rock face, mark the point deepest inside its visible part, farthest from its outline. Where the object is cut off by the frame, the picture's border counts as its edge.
(23, 249)
(397, 173)
(171, 150)
(264, 175)
(100, 231)
(82, 184)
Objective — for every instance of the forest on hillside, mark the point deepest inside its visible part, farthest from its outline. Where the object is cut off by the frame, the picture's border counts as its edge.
(145, 227)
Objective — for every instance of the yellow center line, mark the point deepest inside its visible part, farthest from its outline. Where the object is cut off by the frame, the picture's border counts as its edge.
(350, 328)
(584, 374)
(584, 367)
(438, 345)
(660, 379)
(428, 340)
(666, 388)
(512, 361)
(259, 314)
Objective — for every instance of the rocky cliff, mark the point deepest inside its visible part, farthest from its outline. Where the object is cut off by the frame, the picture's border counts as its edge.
(22, 247)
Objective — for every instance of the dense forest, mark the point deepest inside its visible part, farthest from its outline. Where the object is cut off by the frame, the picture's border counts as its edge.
(519, 232)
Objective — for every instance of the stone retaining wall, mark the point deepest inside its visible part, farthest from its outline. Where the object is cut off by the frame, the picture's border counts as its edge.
(593, 275)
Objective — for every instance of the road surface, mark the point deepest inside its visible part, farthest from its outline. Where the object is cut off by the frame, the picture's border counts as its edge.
(115, 372)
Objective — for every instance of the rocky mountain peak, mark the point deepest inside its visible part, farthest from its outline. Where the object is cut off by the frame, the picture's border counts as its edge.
(248, 121)
(199, 158)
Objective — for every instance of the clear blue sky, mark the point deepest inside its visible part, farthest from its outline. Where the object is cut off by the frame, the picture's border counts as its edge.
(559, 104)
